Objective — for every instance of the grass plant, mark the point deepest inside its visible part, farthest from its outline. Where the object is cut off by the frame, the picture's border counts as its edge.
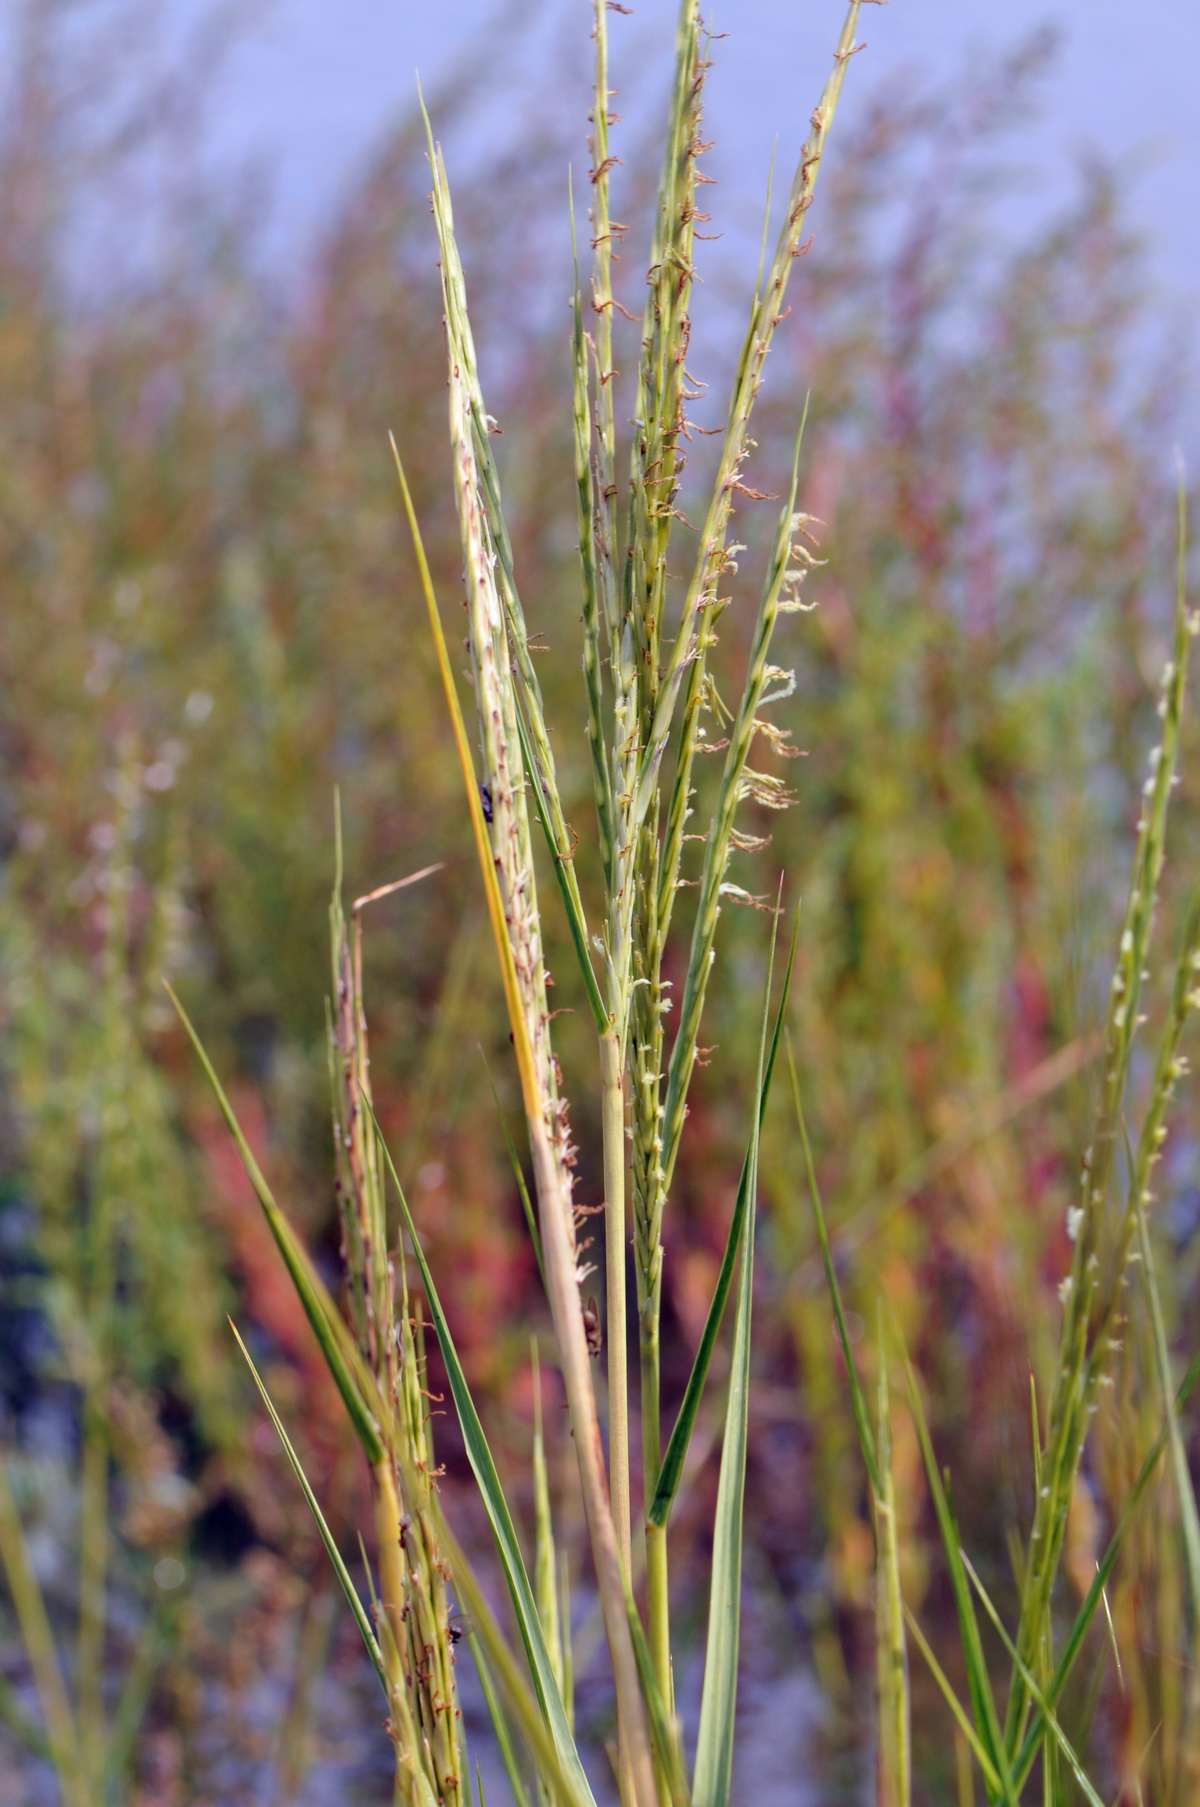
(1110, 1239)
(933, 910)
(649, 691)
(645, 721)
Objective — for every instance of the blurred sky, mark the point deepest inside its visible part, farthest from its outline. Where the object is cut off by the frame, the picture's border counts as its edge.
(313, 83)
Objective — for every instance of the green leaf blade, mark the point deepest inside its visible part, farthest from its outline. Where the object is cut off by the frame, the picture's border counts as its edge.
(671, 1471)
(492, 1492)
(713, 1775)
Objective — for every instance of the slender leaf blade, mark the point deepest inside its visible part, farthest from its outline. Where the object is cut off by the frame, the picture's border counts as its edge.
(961, 1717)
(327, 1538)
(713, 1773)
(491, 1489)
(344, 1360)
(500, 1725)
(858, 1401)
(983, 1699)
(1095, 1594)
(671, 1471)
(1060, 1738)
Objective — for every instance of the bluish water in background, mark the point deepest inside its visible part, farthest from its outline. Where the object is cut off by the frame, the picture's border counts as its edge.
(312, 87)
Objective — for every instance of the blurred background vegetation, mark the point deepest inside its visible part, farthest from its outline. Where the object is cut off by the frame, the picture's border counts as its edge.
(210, 621)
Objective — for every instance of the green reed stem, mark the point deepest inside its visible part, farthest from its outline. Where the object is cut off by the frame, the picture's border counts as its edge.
(1092, 1290)
(612, 1117)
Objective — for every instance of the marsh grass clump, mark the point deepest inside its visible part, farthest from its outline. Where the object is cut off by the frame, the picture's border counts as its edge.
(649, 693)
(653, 590)
(640, 901)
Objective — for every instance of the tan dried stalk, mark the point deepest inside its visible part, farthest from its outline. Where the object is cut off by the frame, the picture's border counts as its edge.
(414, 1608)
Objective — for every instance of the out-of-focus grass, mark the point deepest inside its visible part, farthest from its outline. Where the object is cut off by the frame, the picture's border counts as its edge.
(204, 631)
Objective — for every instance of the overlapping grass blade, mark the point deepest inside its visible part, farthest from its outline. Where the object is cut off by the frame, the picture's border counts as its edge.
(1060, 1738)
(560, 1776)
(1095, 1594)
(327, 1538)
(353, 1379)
(862, 1421)
(545, 1564)
(671, 1471)
(541, 1665)
(664, 1728)
(962, 1718)
(983, 1700)
(713, 1773)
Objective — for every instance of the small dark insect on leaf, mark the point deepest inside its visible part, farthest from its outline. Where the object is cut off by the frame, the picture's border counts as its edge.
(591, 1328)
(459, 1627)
(485, 797)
